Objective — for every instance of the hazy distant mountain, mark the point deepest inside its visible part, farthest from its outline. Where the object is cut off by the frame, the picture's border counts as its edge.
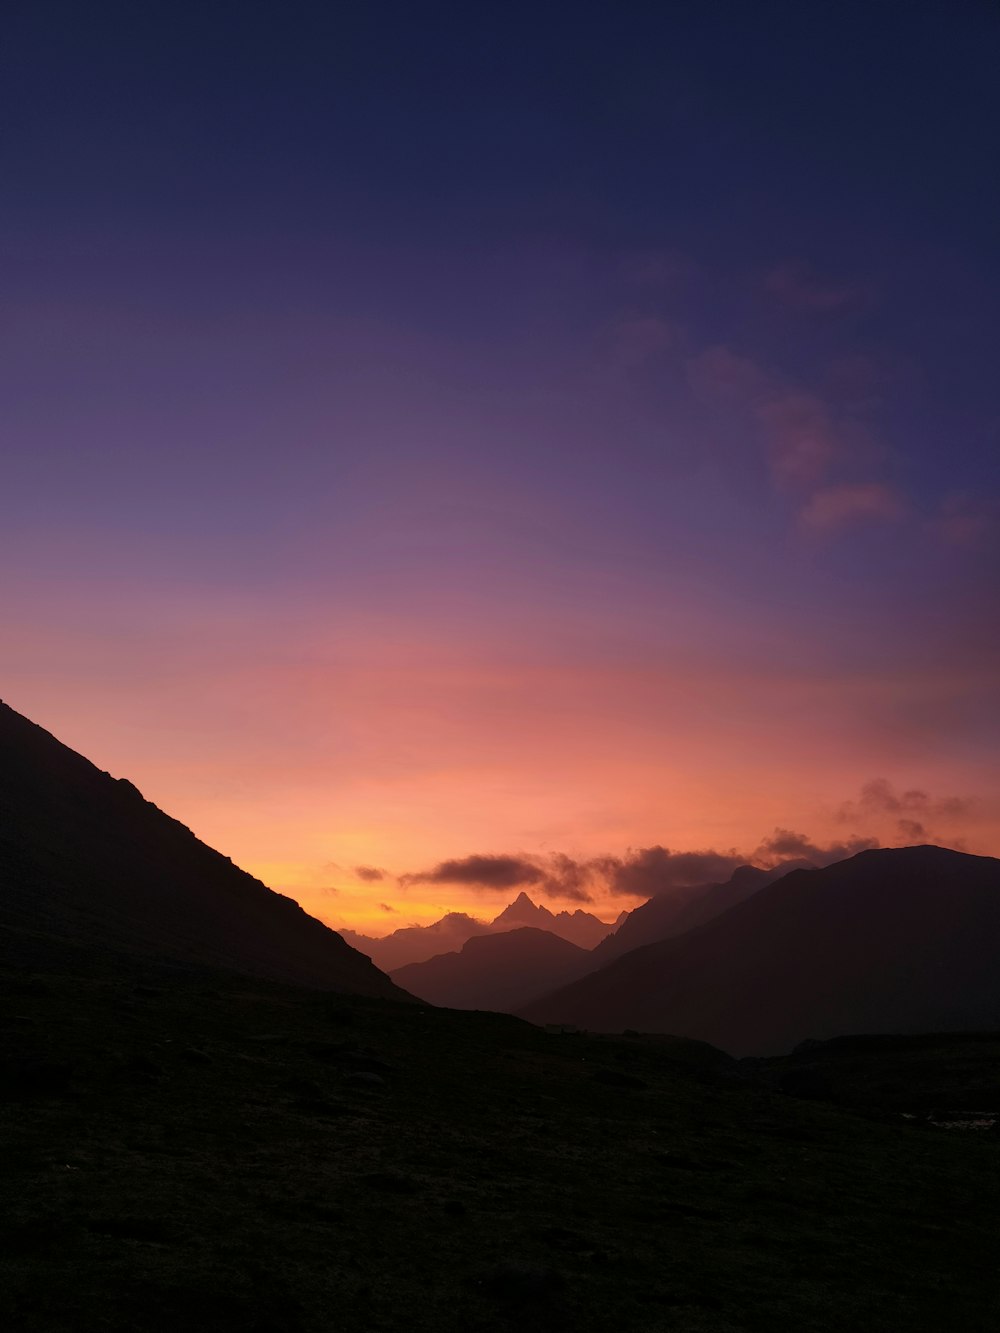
(896, 940)
(83, 857)
(412, 944)
(497, 971)
(674, 913)
(582, 928)
(416, 944)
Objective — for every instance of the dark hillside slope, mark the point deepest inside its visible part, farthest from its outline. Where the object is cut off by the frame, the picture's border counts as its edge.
(668, 914)
(84, 857)
(895, 940)
(499, 972)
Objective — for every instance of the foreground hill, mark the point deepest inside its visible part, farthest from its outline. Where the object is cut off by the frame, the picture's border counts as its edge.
(501, 972)
(84, 857)
(897, 940)
(206, 1152)
(416, 944)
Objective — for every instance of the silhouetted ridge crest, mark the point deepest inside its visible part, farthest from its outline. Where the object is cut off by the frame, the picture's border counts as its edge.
(418, 944)
(889, 940)
(500, 970)
(85, 857)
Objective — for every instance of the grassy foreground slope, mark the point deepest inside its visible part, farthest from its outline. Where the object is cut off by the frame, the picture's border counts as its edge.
(197, 1150)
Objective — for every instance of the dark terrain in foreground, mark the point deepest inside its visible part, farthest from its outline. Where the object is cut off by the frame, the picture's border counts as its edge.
(195, 1149)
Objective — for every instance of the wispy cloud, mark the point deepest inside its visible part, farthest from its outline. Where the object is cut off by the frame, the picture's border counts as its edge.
(965, 521)
(639, 874)
(480, 872)
(801, 441)
(636, 340)
(657, 269)
(369, 874)
(805, 441)
(880, 797)
(797, 286)
(555, 876)
(833, 507)
(650, 870)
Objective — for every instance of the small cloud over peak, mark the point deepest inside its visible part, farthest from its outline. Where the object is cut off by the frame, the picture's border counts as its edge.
(911, 829)
(556, 875)
(912, 813)
(388, 907)
(651, 870)
(786, 845)
(834, 507)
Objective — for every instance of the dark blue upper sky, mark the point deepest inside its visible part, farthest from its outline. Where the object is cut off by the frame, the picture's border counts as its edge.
(268, 150)
(739, 126)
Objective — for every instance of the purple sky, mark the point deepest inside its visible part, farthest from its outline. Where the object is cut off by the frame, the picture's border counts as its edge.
(445, 430)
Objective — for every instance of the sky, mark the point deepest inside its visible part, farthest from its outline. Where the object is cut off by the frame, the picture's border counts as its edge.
(450, 449)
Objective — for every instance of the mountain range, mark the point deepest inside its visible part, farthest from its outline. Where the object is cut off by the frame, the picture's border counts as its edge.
(892, 940)
(416, 944)
(86, 860)
(523, 964)
(896, 940)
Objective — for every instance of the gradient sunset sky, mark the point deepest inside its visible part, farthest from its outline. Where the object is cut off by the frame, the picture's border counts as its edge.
(456, 448)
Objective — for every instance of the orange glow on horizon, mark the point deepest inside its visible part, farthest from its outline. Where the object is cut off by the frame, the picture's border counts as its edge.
(398, 754)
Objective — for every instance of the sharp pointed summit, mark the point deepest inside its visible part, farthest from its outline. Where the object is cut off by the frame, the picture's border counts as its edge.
(522, 910)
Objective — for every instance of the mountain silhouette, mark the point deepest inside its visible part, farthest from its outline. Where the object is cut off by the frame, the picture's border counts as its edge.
(674, 913)
(579, 927)
(893, 940)
(497, 971)
(417, 944)
(414, 944)
(84, 858)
